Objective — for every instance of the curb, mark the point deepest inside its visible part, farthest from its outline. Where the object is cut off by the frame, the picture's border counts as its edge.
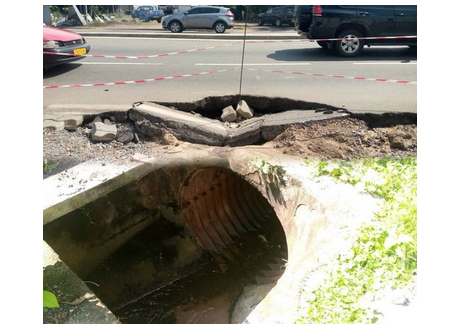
(237, 33)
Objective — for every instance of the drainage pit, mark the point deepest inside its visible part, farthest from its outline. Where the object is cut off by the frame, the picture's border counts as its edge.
(179, 245)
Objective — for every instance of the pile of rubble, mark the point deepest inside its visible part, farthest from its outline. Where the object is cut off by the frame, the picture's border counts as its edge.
(156, 122)
(243, 111)
(99, 130)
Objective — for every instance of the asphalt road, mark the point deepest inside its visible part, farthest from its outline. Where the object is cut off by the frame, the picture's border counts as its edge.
(383, 79)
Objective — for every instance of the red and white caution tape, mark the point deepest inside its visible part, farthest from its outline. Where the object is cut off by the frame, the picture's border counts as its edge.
(135, 81)
(143, 57)
(337, 76)
(220, 46)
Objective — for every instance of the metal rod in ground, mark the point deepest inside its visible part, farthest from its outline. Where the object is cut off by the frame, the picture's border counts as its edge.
(243, 54)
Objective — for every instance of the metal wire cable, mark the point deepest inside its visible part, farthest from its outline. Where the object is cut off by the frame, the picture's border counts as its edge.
(243, 55)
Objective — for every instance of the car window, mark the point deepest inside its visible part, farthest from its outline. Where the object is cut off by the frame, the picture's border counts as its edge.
(405, 7)
(269, 11)
(375, 6)
(195, 11)
(211, 10)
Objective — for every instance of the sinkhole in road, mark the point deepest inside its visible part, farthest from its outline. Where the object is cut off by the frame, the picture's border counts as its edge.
(179, 245)
(229, 120)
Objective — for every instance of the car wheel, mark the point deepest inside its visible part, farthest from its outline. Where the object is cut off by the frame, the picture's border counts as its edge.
(350, 44)
(175, 27)
(260, 22)
(220, 27)
(159, 20)
(278, 22)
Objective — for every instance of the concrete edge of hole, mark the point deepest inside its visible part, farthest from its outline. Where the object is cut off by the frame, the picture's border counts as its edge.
(82, 305)
(317, 215)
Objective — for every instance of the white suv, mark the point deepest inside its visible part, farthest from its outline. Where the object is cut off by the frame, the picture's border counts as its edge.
(202, 17)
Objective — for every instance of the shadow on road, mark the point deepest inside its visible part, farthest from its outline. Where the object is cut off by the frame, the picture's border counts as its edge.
(368, 54)
(59, 69)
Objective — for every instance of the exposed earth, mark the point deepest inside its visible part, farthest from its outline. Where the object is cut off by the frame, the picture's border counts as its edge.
(345, 139)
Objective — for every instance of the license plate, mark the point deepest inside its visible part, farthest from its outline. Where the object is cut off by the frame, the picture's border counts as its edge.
(80, 51)
(155, 16)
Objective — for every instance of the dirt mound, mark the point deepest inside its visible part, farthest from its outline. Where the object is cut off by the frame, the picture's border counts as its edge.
(333, 139)
(346, 139)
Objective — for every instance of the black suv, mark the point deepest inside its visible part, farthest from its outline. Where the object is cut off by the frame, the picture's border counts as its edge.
(277, 16)
(353, 25)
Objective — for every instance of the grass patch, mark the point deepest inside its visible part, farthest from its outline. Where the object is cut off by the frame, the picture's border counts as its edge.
(385, 253)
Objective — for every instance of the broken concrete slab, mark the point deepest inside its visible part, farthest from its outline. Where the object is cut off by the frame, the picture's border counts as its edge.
(229, 114)
(72, 122)
(52, 124)
(248, 132)
(67, 121)
(244, 110)
(182, 125)
(102, 132)
(197, 129)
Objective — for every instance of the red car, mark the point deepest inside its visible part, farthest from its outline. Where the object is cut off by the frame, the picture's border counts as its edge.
(62, 46)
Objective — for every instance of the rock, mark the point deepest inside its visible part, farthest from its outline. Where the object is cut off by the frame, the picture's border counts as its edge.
(52, 124)
(91, 124)
(102, 132)
(59, 122)
(244, 110)
(229, 114)
(401, 138)
(72, 122)
(124, 136)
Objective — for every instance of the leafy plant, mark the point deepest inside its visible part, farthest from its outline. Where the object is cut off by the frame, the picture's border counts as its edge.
(385, 253)
(48, 166)
(271, 170)
(49, 299)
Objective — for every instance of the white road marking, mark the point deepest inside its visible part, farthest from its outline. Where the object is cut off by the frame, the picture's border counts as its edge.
(385, 63)
(105, 63)
(254, 64)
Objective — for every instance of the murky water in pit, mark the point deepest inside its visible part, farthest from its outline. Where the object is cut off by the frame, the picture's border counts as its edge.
(205, 292)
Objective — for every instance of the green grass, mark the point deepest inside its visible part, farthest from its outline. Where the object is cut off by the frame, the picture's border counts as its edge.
(385, 252)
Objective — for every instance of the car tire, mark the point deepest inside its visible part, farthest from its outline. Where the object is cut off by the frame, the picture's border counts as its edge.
(278, 22)
(175, 27)
(220, 27)
(260, 21)
(351, 44)
(159, 20)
